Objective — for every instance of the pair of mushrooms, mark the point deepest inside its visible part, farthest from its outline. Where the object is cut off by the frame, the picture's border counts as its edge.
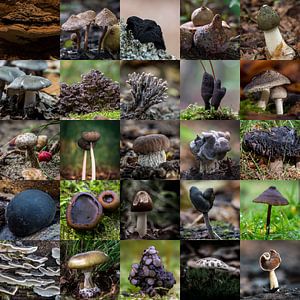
(87, 143)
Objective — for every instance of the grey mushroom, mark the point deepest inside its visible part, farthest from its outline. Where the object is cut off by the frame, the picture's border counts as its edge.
(33, 67)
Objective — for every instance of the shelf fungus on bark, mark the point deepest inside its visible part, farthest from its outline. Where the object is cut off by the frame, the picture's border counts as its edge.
(209, 148)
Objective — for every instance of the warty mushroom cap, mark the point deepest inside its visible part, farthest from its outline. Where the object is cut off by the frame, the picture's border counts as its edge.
(83, 144)
(151, 143)
(106, 18)
(74, 23)
(88, 16)
(270, 261)
(25, 140)
(267, 18)
(271, 196)
(34, 65)
(91, 136)
(9, 74)
(266, 80)
(278, 92)
(87, 260)
(29, 83)
(142, 202)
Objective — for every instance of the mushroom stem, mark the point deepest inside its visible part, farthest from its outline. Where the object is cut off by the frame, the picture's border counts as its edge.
(30, 97)
(33, 158)
(2, 85)
(268, 221)
(93, 163)
(83, 177)
(102, 37)
(153, 159)
(86, 37)
(141, 224)
(273, 280)
(211, 233)
(88, 282)
(264, 99)
(279, 106)
(276, 166)
(78, 39)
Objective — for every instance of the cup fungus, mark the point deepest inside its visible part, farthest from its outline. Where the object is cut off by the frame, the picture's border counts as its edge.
(151, 149)
(271, 196)
(268, 20)
(109, 200)
(86, 262)
(203, 202)
(29, 212)
(270, 261)
(84, 212)
(141, 206)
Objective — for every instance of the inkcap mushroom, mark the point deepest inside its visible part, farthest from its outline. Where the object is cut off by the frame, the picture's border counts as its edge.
(86, 262)
(203, 202)
(202, 16)
(141, 206)
(88, 17)
(271, 196)
(278, 94)
(109, 200)
(270, 261)
(151, 149)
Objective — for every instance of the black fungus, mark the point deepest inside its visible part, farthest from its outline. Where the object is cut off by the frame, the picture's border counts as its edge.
(207, 88)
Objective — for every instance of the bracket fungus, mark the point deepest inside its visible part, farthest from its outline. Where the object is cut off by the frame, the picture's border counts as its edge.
(84, 212)
(209, 148)
(151, 149)
(150, 274)
(86, 262)
(109, 200)
(29, 212)
(263, 83)
(268, 20)
(270, 261)
(271, 196)
(203, 202)
(141, 206)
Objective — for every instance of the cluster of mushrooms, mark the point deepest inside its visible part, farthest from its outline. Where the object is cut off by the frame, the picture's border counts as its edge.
(21, 268)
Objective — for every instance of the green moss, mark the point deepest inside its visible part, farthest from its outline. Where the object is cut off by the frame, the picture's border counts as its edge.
(114, 115)
(196, 112)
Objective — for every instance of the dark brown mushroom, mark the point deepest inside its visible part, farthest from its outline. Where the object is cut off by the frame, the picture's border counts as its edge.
(109, 200)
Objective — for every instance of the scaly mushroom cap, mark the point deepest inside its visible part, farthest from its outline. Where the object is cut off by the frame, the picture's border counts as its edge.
(142, 202)
(83, 144)
(9, 74)
(151, 143)
(87, 260)
(267, 18)
(106, 18)
(34, 65)
(87, 17)
(26, 140)
(91, 136)
(73, 24)
(29, 83)
(278, 92)
(270, 261)
(202, 16)
(266, 80)
(271, 196)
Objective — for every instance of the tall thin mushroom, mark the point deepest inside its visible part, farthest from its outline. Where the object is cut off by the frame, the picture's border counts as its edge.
(85, 146)
(88, 18)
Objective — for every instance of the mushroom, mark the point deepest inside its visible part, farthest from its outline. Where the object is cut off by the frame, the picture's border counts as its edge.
(92, 137)
(202, 16)
(27, 141)
(141, 205)
(105, 19)
(278, 94)
(30, 84)
(263, 82)
(151, 149)
(109, 200)
(111, 40)
(271, 196)
(268, 20)
(203, 202)
(31, 66)
(85, 146)
(86, 262)
(88, 18)
(42, 141)
(270, 261)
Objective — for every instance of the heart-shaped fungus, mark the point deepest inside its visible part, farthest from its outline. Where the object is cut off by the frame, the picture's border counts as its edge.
(109, 200)
(84, 212)
(29, 212)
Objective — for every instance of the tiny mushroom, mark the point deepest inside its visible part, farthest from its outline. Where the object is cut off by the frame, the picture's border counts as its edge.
(278, 94)
(86, 262)
(268, 20)
(88, 17)
(27, 141)
(37, 67)
(203, 202)
(151, 149)
(109, 200)
(271, 196)
(263, 82)
(202, 16)
(85, 146)
(270, 261)
(141, 206)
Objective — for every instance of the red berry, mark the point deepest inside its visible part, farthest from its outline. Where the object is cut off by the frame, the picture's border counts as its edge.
(45, 156)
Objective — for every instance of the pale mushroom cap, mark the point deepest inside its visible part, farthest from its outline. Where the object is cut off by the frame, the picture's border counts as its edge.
(271, 196)
(34, 65)
(151, 143)
(270, 261)
(88, 16)
(278, 92)
(29, 83)
(25, 140)
(87, 260)
(266, 80)
(142, 202)
(106, 18)
(9, 74)
(73, 24)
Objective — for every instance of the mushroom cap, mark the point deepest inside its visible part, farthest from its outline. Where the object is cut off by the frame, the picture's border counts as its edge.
(26, 140)
(88, 16)
(270, 261)
(87, 260)
(9, 74)
(142, 202)
(202, 16)
(34, 65)
(267, 18)
(91, 136)
(83, 144)
(278, 92)
(203, 202)
(29, 83)
(271, 196)
(106, 18)
(151, 143)
(266, 80)
(74, 23)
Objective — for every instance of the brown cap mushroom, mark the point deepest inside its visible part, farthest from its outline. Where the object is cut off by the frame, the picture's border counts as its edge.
(88, 18)
(271, 196)
(151, 149)
(270, 261)
(278, 93)
(141, 205)
(202, 16)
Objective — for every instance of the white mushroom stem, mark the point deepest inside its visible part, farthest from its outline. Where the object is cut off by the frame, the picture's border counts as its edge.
(279, 106)
(33, 158)
(83, 174)
(2, 85)
(93, 163)
(208, 166)
(264, 99)
(276, 45)
(276, 166)
(211, 233)
(153, 159)
(273, 280)
(88, 282)
(141, 223)
(30, 99)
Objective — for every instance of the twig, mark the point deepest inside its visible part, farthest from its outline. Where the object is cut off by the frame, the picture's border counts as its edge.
(212, 69)
(202, 65)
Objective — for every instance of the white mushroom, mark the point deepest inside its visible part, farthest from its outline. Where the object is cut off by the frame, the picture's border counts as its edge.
(278, 94)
